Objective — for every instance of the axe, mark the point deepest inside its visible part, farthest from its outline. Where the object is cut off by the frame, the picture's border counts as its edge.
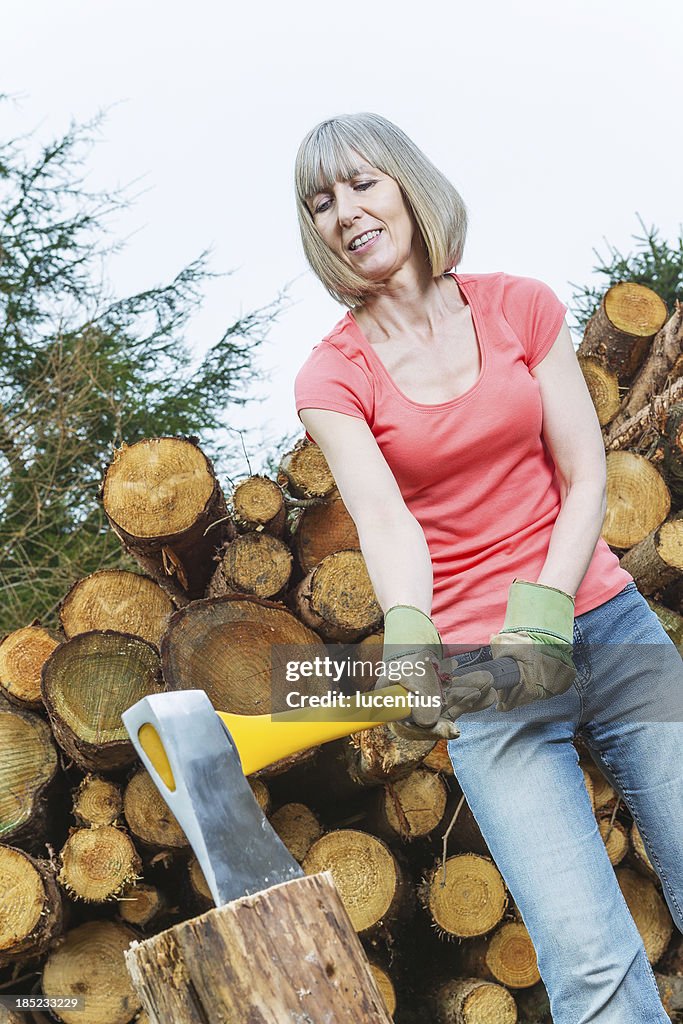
(198, 759)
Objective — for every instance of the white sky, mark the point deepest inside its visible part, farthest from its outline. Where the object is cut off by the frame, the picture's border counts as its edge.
(556, 122)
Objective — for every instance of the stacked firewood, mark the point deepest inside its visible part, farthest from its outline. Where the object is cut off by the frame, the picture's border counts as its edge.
(92, 859)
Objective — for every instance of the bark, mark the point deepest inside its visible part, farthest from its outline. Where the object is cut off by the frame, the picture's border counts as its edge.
(22, 656)
(650, 417)
(619, 333)
(231, 964)
(670, 991)
(657, 560)
(32, 915)
(163, 501)
(672, 432)
(322, 530)
(638, 500)
(87, 683)
(120, 600)
(662, 367)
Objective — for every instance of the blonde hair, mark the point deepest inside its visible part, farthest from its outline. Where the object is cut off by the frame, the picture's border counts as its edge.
(324, 157)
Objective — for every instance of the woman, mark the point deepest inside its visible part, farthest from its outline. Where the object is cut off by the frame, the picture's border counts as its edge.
(455, 419)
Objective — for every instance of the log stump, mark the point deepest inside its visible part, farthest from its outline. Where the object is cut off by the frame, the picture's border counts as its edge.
(306, 472)
(657, 560)
(619, 333)
(638, 500)
(258, 504)
(337, 598)
(225, 646)
(88, 682)
(148, 816)
(89, 961)
(322, 530)
(31, 906)
(473, 1001)
(470, 902)
(97, 801)
(253, 563)
(163, 501)
(648, 910)
(22, 656)
(117, 599)
(29, 765)
(367, 876)
(98, 863)
(298, 828)
(231, 964)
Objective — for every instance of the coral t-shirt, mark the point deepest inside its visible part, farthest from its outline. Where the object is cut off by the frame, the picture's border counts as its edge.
(474, 471)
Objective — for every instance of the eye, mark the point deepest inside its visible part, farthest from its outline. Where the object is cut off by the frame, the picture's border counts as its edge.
(362, 185)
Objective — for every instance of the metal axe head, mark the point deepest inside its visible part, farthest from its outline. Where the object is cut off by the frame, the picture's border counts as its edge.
(195, 764)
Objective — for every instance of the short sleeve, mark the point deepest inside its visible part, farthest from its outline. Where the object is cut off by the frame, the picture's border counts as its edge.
(535, 313)
(330, 380)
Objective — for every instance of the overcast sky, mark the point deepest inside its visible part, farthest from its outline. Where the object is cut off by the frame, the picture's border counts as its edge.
(557, 123)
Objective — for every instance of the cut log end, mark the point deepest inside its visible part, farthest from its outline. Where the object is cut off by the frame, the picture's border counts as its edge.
(22, 656)
(119, 600)
(89, 962)
(470, 902)
(98, 863)
(365, 873)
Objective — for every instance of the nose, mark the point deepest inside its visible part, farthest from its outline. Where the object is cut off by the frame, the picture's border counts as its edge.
(348, 207)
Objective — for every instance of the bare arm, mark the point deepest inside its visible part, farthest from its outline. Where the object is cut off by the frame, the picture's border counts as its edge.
(391, 539)
(572, 434)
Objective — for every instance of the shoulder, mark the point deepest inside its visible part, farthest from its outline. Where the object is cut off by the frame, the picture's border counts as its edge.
(337, 354)
(336, 375)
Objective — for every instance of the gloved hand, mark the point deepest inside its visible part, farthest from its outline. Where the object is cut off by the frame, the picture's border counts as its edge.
(412, 645)
(537, 632)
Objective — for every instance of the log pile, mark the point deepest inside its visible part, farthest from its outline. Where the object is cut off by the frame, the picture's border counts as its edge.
(91, 858)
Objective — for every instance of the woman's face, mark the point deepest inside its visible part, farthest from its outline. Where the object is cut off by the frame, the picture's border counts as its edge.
(369, 203)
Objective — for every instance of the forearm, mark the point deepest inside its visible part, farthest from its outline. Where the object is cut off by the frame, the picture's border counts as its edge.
(573, 539)
(398, 562)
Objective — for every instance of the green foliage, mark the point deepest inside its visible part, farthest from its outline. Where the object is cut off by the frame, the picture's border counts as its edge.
(82, 371)
(655, 264)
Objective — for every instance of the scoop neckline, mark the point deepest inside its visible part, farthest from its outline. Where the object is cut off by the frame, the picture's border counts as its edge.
(479, 337)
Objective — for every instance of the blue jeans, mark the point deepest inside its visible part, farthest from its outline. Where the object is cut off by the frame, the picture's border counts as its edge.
(520, 774)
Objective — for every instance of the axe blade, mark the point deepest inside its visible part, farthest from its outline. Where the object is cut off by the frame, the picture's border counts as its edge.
(203, 784)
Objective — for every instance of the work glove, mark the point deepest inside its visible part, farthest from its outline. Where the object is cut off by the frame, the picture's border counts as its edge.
(412, 645)
(537, 632)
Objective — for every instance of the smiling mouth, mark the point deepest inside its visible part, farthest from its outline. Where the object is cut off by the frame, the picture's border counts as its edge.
(375, 233)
